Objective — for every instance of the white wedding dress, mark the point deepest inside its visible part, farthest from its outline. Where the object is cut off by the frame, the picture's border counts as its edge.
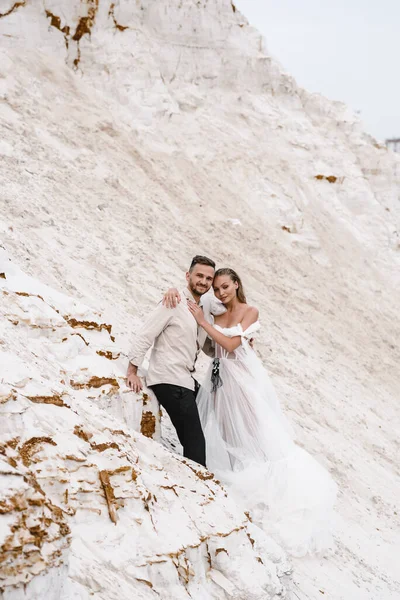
(250, 448)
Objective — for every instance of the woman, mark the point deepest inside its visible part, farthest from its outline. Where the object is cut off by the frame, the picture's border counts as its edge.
(249, 442)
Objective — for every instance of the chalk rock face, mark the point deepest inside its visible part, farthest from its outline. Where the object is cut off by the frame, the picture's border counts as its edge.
(133, 135)
(88, 507)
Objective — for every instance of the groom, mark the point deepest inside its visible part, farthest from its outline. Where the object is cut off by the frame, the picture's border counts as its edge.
(177, 342)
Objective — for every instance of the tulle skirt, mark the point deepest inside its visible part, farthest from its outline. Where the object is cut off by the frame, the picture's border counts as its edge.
(250, 448)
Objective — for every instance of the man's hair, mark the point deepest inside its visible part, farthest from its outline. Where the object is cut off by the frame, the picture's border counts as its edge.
(201, 260)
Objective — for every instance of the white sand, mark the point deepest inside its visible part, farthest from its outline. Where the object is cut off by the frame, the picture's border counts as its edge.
(178, 136)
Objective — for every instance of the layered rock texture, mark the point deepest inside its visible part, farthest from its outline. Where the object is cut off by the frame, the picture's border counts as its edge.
(88, 507)
(133, 135)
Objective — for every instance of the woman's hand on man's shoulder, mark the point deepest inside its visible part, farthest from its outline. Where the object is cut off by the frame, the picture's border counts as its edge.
(171, 298)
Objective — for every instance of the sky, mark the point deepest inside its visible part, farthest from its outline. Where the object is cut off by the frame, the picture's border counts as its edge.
(348, 50)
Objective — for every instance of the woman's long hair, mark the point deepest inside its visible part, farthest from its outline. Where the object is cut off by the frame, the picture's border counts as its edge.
(236, 279)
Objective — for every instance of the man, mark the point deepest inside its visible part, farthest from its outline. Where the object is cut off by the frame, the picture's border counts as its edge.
(177, 342)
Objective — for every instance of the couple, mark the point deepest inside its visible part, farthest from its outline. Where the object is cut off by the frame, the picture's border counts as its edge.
(234, 419)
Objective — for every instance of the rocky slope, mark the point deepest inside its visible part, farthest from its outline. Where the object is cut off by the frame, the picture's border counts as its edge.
(136, 134)
(87, 506)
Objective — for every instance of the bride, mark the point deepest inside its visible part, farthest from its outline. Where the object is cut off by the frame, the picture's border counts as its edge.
(249, 442)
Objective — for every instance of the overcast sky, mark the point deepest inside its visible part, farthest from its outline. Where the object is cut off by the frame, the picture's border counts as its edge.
(348, 50)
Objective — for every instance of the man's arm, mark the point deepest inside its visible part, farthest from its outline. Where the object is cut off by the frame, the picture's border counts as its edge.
(132, 379)
(209, 347)
(154, 325)
(216, 306)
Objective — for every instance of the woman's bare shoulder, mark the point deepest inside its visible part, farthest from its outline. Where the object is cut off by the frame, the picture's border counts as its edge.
(251, 310)
(250, 316)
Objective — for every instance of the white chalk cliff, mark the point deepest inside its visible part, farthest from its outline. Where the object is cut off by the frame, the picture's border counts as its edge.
(133, 135)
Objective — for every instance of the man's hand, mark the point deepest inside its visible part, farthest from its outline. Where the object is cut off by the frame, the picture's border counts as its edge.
(133, 380)
(171, 298)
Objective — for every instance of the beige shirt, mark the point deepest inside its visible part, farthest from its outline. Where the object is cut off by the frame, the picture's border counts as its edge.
(177, 341)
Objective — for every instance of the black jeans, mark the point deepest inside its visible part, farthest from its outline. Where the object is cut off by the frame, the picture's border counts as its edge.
(180, 404)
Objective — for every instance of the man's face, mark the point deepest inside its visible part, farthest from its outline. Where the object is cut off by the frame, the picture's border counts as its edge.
(200, 279)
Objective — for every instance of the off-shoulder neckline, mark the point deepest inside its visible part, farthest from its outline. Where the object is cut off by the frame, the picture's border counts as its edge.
(238, 325)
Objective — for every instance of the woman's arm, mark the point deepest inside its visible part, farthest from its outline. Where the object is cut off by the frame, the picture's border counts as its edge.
(227, 343)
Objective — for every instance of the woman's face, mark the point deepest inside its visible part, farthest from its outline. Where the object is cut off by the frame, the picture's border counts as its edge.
(225, 288)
